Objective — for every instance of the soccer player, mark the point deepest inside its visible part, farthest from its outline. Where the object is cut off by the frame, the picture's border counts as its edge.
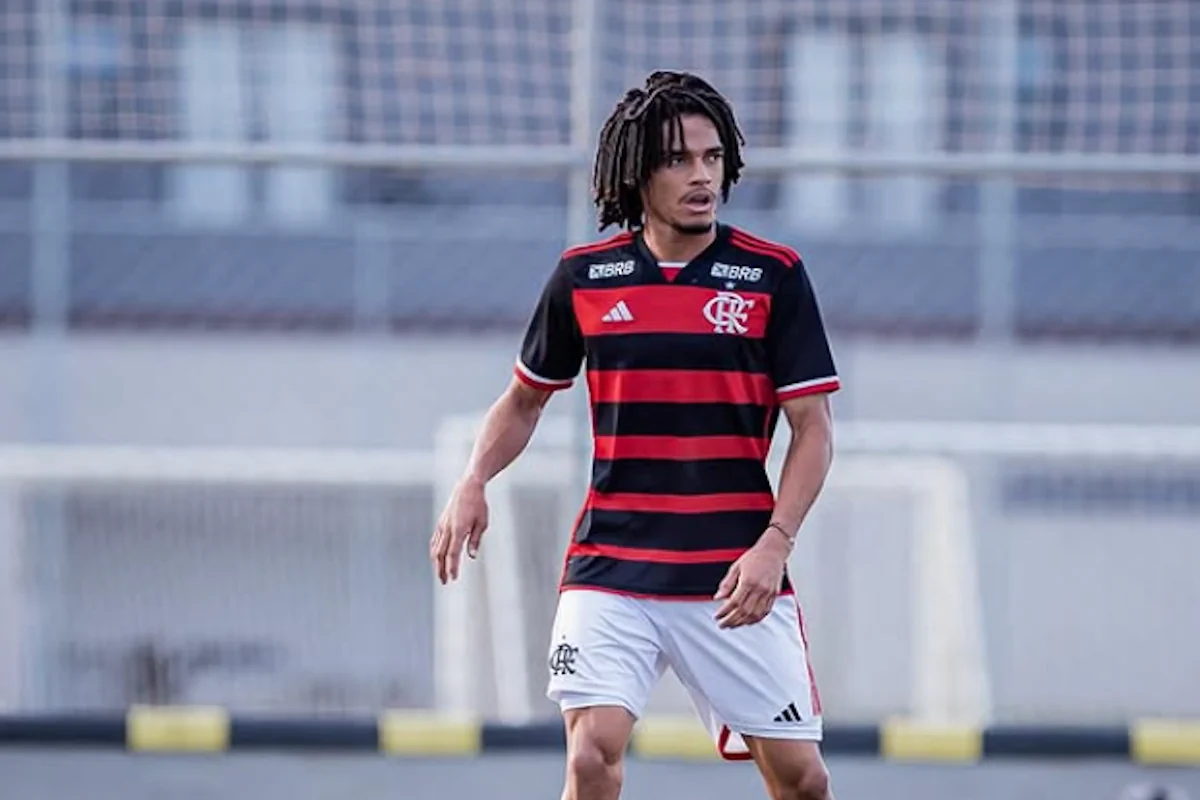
(696, 336)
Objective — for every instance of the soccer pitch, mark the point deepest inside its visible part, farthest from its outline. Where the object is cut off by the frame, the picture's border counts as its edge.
(49, 774)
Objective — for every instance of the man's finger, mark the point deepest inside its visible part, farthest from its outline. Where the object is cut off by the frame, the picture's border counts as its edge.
(474, 537)
(436, 552)
(734, 608)
(736, 620)
(729, 607)
(750, 605)
(458, 538)
(762, 607)
(728, 583)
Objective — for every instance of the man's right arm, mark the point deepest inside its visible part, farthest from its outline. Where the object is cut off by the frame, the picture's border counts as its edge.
(551, 354)
(507, 428)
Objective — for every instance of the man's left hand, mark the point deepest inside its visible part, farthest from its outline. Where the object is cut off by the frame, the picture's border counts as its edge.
(753, 582)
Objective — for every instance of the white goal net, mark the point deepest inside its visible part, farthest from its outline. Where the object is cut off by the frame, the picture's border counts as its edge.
(885, 571)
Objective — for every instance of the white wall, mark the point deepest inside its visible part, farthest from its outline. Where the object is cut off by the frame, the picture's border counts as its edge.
(177, 390)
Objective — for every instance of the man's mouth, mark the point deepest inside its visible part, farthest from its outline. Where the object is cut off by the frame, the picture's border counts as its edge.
(699, 202)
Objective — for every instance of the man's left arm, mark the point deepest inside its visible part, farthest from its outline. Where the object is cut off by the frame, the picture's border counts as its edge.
(753, 582)
(804, 375)
(805, 466)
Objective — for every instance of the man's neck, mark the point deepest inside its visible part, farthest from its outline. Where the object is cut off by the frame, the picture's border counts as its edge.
(668, 244)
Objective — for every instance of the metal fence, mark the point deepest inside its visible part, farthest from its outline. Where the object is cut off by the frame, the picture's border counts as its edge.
(1025, 167)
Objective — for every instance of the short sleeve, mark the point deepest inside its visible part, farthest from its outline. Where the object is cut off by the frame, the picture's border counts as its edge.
(801, 360)
(552, 350)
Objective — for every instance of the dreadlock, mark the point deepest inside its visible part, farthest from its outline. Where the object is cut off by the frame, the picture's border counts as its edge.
(631, 142)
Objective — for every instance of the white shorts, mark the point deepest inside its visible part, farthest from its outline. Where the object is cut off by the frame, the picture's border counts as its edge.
(611, 649)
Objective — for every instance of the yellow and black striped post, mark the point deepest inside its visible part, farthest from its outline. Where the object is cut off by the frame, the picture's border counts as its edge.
(401, 733)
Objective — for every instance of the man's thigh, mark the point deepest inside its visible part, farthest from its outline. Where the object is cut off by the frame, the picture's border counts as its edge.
(604, 651)
(750, 681)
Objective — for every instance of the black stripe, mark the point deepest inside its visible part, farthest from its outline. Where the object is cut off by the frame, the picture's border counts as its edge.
(345, 734)
(1049, 741)
(860, 740)
(671, 419)
(795, 711)
(681, 477)
(532, 736)
(676, 351)
(640, 577)
(67, 730)
(661, 531)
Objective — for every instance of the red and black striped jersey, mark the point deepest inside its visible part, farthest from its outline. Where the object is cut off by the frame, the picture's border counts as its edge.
(685, 376)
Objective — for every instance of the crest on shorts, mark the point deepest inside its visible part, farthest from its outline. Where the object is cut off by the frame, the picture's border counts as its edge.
(563, 659)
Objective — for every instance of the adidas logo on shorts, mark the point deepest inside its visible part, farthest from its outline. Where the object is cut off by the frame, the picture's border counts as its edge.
(789, 714)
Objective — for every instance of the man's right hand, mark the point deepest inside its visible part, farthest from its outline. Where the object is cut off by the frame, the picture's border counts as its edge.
(463, 522)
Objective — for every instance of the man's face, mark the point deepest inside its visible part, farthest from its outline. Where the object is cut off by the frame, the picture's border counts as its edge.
(682, 193)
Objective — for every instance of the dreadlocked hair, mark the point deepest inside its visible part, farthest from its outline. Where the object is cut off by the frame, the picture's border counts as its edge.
(632, 145)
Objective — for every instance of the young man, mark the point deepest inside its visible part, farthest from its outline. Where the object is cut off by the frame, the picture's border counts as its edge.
(696, 337)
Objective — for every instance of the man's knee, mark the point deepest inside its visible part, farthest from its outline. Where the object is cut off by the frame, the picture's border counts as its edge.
(596, 742)
(812, 783)
(792, 770)
(809, 783)
(594, 763)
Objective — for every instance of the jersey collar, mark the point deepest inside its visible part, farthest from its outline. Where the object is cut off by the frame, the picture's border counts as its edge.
(698, 265)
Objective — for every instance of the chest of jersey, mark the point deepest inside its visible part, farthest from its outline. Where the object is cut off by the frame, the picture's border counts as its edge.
(671, 309)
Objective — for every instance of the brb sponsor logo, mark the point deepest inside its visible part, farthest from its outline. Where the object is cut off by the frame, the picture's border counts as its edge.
(611, 269)
(731, 272)
(728, 312)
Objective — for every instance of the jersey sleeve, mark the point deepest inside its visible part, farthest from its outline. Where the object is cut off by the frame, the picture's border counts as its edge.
(801, 359)
(552, 350)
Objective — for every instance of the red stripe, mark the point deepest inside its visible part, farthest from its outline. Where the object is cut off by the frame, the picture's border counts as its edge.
(723, 747)
(680, 386)
(763, 250)
(672, 309)
(687, 598)
(814, 695)
(831, 385)
(595, 247)
(657, 556)
(742, 237)
(680, 448)
(683, 503)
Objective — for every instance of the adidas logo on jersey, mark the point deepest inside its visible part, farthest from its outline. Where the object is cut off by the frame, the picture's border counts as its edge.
(618, 313)
(789, 714)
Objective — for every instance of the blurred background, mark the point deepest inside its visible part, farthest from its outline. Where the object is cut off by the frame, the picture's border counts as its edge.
(263, 264)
